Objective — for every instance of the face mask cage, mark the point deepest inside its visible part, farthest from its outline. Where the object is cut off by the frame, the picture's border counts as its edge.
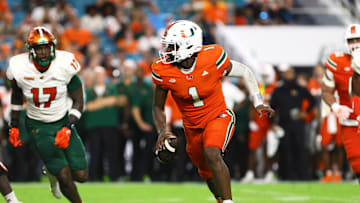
(168, 53)
(32, 51)
(353, 46)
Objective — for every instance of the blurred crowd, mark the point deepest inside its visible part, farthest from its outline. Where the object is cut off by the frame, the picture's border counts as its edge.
(116, 41)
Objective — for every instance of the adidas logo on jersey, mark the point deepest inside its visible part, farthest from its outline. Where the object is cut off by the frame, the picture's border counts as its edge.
(204, 73)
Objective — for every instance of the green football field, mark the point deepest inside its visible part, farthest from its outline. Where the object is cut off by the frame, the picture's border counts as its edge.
(193, 193)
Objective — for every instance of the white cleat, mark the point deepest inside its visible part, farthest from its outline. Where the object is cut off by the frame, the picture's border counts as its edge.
(270, 177)
(54, 184)
(249, 177)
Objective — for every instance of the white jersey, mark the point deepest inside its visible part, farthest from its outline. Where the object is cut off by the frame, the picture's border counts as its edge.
(45, 93)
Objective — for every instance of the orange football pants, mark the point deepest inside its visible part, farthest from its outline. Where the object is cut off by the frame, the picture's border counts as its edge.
(326, 137)
(217, 133)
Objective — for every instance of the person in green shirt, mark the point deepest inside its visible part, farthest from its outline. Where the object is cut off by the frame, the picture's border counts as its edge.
(101, 122)
(144, 132)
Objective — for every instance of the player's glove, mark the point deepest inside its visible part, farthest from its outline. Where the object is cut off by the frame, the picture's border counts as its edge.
(341, 111)
(14, 137)
(14, 133)
(62, 138)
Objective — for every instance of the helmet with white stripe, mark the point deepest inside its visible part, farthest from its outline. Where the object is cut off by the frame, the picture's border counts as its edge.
(180, 41)
(41, 36)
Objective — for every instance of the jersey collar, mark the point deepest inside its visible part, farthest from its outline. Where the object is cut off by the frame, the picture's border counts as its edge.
(188, 71)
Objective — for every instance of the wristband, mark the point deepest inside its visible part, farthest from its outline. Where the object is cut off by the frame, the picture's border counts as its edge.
(16, 107)
(75, 113)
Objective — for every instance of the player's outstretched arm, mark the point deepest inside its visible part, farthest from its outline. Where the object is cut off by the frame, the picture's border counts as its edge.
(17, 101)
(237, 69)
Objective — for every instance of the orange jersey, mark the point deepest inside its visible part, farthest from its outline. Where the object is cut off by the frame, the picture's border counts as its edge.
(175, 112)
(340, 65)
(198, 94)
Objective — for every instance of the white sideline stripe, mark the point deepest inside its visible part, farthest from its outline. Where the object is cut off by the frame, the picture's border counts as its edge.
(296, 197)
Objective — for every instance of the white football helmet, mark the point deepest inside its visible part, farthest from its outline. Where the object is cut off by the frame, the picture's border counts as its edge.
(180, 41)
(353, 31)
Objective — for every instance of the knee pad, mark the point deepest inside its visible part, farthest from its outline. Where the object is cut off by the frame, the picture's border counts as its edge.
(3, 169)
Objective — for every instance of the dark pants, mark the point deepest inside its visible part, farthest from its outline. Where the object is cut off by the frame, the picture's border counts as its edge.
(143, 154)
(293, 154)
(104, 155)
(236, 154)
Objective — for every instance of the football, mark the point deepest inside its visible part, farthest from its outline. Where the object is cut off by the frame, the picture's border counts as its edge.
(168, 154)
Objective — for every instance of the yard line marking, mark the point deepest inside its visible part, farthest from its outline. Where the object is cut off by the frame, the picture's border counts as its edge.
(297, 197)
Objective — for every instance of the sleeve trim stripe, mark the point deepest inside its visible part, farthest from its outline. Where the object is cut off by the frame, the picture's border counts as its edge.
(222, 60)
(331, 63)
(156, 76)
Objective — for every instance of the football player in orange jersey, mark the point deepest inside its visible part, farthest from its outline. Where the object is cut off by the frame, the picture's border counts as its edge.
(352, 142)
(192, 73)
(339, 70)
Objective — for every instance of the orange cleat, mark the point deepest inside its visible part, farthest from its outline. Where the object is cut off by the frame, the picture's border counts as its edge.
(328, 178)
(337, 177)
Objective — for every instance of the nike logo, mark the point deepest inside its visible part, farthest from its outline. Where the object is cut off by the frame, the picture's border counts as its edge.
(28, 78)
(204, 73)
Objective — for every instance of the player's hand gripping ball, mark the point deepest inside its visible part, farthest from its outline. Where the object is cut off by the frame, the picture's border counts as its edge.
(166, 148)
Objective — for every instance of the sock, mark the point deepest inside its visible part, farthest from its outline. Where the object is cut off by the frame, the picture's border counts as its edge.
(228, 201)
(11, 197)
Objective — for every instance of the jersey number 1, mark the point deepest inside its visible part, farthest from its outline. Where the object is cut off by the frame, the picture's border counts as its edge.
(51, 91)
(195, 96)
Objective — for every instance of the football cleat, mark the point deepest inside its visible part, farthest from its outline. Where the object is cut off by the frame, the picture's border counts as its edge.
(54, 184)
(168, 153)
(249, 177)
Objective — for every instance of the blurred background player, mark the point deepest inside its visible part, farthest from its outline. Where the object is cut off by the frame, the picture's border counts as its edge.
(336, 80)
(185, 69)
(259, 127)
(5, 187)
(45, 76)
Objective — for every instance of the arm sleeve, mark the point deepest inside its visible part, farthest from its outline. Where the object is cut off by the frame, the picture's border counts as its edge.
(240, 70)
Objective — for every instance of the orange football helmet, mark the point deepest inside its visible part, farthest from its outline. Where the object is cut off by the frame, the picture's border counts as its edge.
(41, 36)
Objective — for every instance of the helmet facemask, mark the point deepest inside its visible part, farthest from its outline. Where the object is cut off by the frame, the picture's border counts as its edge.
(38, 59)
(168, 53)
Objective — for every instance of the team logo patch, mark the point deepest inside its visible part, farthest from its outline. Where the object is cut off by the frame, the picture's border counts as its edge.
(347, 69)
(189, 77)
(204, 73)
(172, 80)
(353, 30)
